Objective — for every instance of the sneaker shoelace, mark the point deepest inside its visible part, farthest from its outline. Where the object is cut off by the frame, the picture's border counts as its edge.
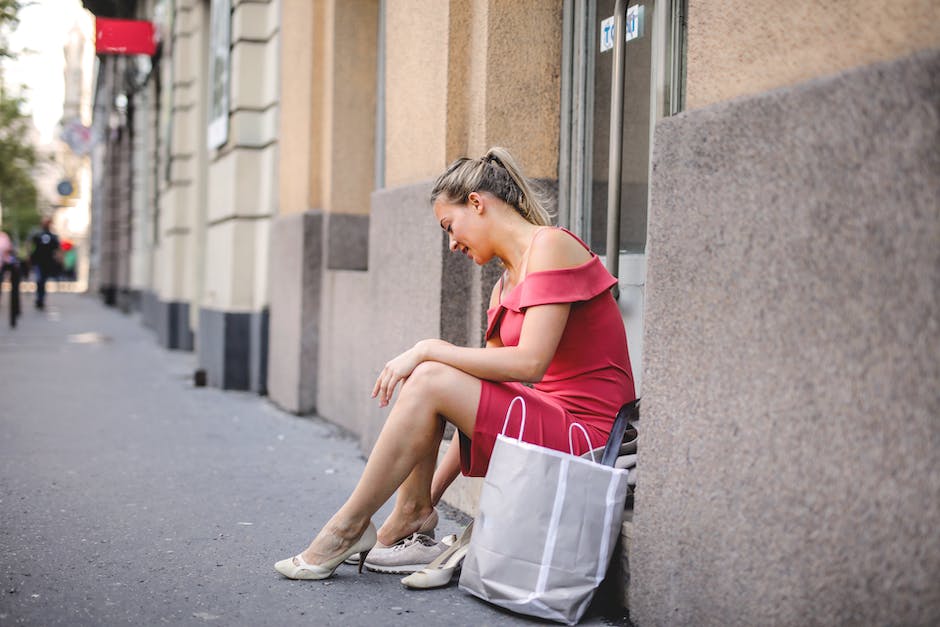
(413, 539)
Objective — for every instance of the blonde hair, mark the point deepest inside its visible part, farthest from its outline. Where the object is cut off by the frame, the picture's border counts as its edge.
(497, 173)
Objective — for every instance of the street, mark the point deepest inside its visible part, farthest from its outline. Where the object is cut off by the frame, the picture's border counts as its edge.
(129, 496)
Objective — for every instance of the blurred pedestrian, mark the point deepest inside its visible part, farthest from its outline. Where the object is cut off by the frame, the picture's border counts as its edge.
(10, 265)
(69, 260)
(44, 258)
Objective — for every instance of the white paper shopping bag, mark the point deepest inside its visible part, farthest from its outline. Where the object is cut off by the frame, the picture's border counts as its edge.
(546, 530)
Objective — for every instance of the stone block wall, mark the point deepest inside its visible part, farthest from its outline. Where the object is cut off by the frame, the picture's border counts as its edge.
(790, 466)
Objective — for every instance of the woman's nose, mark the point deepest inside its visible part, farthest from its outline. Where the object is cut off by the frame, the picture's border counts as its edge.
(453, 244)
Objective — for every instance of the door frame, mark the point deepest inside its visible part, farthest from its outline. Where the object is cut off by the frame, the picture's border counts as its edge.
(667, 97)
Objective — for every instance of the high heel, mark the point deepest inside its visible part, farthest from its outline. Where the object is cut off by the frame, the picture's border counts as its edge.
(297, 568)
(426, 528)
(439, 572)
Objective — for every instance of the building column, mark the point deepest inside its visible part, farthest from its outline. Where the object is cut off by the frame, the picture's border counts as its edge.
(173, 255)
(233, 315)
(326, 176)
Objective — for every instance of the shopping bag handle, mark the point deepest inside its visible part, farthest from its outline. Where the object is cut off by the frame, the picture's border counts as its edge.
(586, 437)
(629, 412)
(509, 413)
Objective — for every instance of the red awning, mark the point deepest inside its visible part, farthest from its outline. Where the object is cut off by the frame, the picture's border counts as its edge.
(124, 37)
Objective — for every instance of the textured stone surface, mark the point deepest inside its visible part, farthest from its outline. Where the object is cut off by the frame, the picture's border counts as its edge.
(404, 282)
(463, 76)
(790, 466)
(149, 303)
(172, 325)
(416, 70)
(224, 349)
(347, 245)
(739, 47)
(346, 369)
(258, 360)
(295, 277)
(233, 349)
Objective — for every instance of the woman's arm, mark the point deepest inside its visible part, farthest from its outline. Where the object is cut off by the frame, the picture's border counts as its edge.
(541, 331)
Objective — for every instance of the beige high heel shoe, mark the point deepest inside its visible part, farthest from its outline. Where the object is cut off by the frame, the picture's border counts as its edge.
(297, 568)
(439, 572)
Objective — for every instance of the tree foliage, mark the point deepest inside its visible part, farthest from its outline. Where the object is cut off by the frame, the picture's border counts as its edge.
(18, 199)
(9, 18)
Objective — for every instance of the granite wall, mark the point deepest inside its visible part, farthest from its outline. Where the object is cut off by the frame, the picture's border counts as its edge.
(790, 466)
(295, 276)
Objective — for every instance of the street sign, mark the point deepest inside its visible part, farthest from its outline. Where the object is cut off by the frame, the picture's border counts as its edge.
(607, 34)
(64, 187)
(634, 22)
(77, 136)
(124, 37)
(634, 27)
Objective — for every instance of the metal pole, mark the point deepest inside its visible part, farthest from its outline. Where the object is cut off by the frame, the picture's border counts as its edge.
(564, 157)
(379, 176)
(616, 143)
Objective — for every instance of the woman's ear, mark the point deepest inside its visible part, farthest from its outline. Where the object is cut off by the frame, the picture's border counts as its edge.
(475, 202)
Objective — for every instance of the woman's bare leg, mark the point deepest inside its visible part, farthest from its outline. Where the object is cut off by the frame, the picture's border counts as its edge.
(414, 502)
(411, 437)
(447, 470)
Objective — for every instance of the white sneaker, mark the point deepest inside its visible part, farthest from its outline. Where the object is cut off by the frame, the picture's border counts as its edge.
(408, 556)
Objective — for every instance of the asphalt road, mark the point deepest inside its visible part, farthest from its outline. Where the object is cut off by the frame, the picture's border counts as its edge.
(130, 497)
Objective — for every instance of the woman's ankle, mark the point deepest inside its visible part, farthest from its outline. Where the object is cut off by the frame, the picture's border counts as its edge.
(405, 521)
(335, 537)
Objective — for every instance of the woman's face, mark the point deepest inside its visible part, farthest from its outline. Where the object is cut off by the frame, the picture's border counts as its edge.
(466, 228)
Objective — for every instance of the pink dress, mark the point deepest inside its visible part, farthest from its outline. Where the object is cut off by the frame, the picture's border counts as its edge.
(588, 380)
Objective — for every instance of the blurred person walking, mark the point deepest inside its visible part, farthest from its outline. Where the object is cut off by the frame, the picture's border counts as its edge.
(44, 258)
(10, 264)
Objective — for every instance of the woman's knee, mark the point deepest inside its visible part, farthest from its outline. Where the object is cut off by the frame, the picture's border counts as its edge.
(450, 392)
(428, 377)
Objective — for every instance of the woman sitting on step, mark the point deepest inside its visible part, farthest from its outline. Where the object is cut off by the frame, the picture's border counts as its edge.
(552, 322)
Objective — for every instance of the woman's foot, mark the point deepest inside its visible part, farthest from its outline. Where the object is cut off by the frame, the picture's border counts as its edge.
(333, 540)
(327, 551)
(399, 526)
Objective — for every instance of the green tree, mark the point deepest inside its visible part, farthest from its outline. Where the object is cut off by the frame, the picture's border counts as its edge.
(9, 19)
(18, 198)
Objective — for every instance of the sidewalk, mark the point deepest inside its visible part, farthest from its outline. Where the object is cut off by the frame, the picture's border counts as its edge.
(128, 496)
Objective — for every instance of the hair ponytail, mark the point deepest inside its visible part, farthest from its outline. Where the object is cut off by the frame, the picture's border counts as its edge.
(497, 173)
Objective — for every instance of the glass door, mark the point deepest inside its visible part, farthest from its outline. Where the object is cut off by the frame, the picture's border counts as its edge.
(622, 72)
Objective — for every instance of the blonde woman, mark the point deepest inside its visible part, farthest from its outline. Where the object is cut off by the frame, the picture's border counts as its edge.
(552, 323)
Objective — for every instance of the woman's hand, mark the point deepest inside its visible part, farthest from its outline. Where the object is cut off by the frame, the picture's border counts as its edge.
(395, 372)
(400, 368)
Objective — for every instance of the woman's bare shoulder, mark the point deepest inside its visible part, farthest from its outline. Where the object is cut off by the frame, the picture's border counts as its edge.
(495, 292)
(556, 249)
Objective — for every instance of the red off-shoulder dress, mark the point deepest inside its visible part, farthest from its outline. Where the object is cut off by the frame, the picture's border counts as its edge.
(587, 381)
